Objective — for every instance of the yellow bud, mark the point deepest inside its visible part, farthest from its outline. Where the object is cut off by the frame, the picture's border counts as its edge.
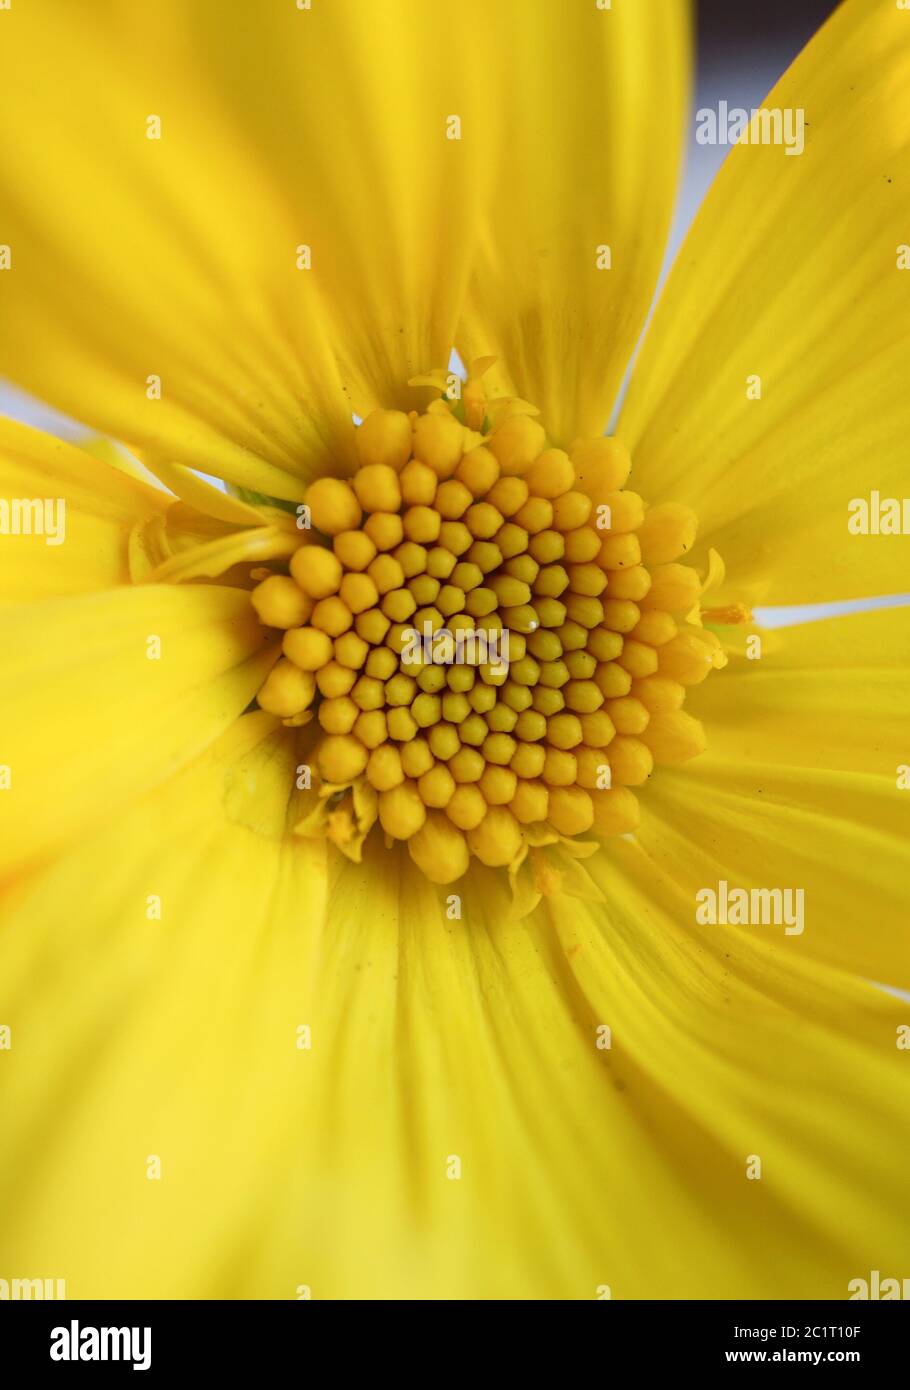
(386, 573)
(530, 725)
(474, 729)
(597, 729)
(619, 615)
(535, 516)
(619, 553)
(422, 524)
(426, 710)
(332, 615)
(571, 810)
(333, 506)
(400, 689)
(452, 500)
(508, 495)
(455, 537)
(418, 484)
(638, 659)
(631, 762)
(587, 579)
(516, 442)
(401, 811)
(675, 588)
(632, 583)
(317, 570)
(497, 839)
(658, 694)
(438, 440)
(571, 510)
(550, 475)
(416, 757)
(287, 690)
(412, 558)
(529, 759)
(399, 605)
(611, 680)
(372, 626)
(440, 562)
(499, 749)
(402, 724)
(547, 547)
(370, 728)
(437, 786)
(384, 769)
(467, 765)
(629, 716)
(654, 627)
(601, 465)
(530, 802)
(378, 488)
(381, 663)
(439, 849)
(559, 768)
(584, 609)
(384, 529)
(582, 545)
(384, 437)
(512, 541)
(581, 665)
(280, 602)
(359, 592)
(483, 521)
(354, 549)
(307, 647)
(616, 812)
(340, 758)
(554, 674)
(687, 658)
(478, 471)
(339, 715)
(368, 693)
(444, 742)
(498, 785)
(675, 737)
(467, 807)
(667, 532)
(502, 718)
(485, 555)
(564, 730)
(546, 700)
(334, 680)
(584, 697)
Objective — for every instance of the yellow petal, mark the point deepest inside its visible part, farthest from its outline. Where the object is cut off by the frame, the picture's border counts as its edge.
(351, 1092)
(789, 277)
(52, 549)
(176, 267)
(593, 106)
(805, 784)
(730, 1047)
(104, 695)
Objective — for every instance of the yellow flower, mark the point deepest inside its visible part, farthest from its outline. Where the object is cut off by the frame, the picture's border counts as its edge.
(250, 1051)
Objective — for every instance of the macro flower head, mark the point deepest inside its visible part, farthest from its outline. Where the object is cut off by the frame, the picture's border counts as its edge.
(423, 875)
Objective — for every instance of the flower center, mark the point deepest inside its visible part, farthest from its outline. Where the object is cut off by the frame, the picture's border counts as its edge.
(495, 638)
